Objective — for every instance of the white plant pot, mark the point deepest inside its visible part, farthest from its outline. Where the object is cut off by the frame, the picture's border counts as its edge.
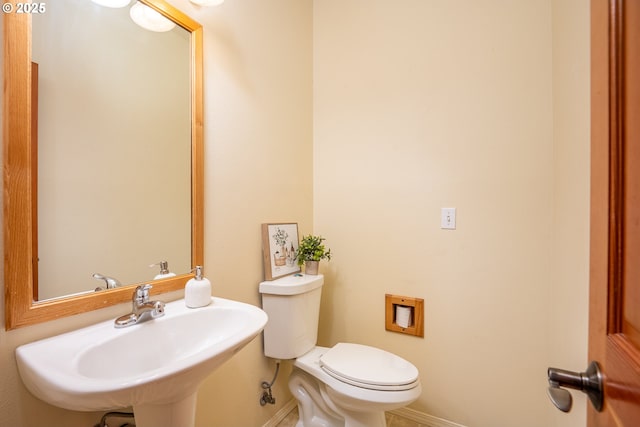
(311, 267)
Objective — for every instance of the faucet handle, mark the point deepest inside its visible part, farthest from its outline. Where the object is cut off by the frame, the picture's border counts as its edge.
(142, 292)
(158, 309)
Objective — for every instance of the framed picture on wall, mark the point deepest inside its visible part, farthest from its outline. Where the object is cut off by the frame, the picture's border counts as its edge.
(279, 249)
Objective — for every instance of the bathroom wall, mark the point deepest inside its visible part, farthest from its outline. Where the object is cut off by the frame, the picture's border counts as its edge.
(571, 130)
(478, 105)
(258, 144)
(258, 80)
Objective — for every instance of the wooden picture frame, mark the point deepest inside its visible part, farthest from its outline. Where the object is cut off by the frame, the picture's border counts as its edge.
(279, 249)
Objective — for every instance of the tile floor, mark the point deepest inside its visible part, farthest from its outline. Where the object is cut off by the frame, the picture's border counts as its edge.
(392, 420)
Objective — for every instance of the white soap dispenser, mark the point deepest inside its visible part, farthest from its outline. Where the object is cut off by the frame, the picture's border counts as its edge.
(197, 292)
(164, 270)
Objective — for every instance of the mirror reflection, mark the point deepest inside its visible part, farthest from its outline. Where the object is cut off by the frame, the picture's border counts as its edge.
(113, 148)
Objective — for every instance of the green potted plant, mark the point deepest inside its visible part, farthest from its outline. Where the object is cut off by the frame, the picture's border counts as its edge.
(310, 251)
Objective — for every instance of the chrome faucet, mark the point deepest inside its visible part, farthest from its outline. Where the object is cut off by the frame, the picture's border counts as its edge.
(110, 281)
(142, 308)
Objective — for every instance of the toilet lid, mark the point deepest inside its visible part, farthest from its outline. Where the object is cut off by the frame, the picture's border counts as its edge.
(369, 367)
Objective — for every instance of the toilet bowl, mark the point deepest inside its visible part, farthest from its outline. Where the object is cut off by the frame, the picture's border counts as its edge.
(369, 382)
(347, 385)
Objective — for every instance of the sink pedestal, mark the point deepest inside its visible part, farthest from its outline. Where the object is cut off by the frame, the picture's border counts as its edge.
(177, 414)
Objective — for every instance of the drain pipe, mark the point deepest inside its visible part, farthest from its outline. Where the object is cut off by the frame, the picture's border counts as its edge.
(103, 420)
(267, 396)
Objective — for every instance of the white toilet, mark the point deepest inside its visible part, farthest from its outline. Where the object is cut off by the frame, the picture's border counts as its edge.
(347, 385)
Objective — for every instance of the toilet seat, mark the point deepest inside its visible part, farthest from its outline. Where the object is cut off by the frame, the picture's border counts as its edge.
(369, 367)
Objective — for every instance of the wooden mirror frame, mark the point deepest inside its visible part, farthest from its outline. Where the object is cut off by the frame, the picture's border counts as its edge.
(20, 264)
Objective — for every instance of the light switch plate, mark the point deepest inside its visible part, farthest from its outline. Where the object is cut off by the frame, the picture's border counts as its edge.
(448, 219)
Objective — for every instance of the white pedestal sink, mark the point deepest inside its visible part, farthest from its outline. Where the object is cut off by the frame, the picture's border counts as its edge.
(156, 366)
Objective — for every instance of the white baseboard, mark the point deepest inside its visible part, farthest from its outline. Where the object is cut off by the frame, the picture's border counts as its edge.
(423, 419)
(281, 414)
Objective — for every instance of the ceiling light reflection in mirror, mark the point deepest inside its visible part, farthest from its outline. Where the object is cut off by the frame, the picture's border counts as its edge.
(150, 19)
(207, 2)
(112, 3)
(141, 14)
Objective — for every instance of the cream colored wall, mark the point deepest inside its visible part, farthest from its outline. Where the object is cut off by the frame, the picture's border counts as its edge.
(258, 143)
(259, 169)
(571, 133)
(423, 105)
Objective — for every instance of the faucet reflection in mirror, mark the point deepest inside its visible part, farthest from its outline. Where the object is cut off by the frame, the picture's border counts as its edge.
(110, 282)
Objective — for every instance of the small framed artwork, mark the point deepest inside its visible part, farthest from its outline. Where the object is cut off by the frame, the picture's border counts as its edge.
(279, 248)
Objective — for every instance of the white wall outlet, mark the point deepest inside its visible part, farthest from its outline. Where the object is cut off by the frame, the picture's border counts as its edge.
(448, 218)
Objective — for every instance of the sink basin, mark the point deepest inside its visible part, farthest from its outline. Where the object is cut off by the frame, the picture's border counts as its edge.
(155, 366)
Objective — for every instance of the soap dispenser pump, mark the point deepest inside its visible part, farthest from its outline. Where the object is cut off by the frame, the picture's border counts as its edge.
(197, 292)
(164, 270)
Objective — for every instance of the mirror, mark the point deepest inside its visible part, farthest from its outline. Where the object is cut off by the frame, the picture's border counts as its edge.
(20, 106)
(100, 116)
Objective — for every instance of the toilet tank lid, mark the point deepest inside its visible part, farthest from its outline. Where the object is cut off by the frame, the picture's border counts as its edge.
(292, 285)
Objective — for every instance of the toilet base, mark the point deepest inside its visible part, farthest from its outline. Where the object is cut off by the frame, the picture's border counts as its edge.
(317, 409)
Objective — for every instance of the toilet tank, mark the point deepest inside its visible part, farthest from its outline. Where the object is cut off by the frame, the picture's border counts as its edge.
(293, 306)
